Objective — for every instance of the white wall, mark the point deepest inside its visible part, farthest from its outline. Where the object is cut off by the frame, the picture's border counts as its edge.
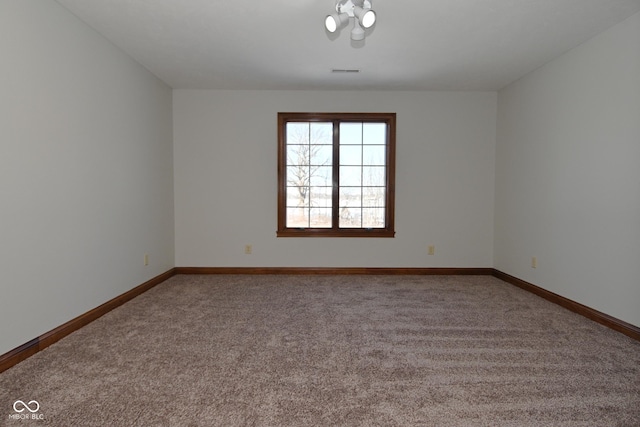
(85, 170)
(225, 153)
(568, 174)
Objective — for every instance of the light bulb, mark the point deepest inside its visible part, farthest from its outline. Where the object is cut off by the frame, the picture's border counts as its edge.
(334, 21)
(367, 17)
(330, 24)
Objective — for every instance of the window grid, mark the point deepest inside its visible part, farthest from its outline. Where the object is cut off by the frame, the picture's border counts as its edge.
(360, 215)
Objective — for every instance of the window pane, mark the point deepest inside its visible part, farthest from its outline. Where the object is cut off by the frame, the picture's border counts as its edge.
(350, 196)
(321, 176)
(321, 155)
(320, 197)
(350, 133)
(298, 133)
(350, 176)
(297, 155)
(374, 175)
(374, 155)
(297, 196)
(320, 217)
(373, 217)
(350, 218)
(374, 133)
(305, 155)
(373, 197)
(298, 176)
(298, 217)
(351, 154)
(321, 133)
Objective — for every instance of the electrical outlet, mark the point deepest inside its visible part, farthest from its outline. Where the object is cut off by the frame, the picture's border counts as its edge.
(146, 259)
(432, 250)
(534, 262)
(248, 249)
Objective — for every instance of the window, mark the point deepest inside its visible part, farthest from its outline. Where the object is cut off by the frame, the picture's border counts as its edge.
(336, 174)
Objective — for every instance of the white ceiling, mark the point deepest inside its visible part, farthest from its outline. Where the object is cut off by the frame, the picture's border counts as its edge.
(282, 44)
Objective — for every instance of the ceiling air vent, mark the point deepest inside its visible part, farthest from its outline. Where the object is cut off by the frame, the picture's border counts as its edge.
(345, 70)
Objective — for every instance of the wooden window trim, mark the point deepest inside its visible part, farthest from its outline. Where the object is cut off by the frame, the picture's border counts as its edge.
(335, 231)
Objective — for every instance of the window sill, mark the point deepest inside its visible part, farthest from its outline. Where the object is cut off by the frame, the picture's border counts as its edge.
(323, 232)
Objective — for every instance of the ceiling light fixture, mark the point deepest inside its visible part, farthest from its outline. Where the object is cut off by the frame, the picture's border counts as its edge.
(360, 10)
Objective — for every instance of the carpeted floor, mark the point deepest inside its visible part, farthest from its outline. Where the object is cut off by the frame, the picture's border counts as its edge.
(332, 351)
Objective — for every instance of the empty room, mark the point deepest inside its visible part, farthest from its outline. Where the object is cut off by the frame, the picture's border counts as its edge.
(313, 213)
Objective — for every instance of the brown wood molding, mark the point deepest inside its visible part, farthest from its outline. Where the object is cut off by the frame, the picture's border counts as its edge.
(588, 312)
(26, 350)
(335, 270)
(19, 354)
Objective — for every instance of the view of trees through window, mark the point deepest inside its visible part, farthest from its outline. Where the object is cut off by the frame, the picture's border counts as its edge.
(336, 174)
(309, 174)
(361, 180)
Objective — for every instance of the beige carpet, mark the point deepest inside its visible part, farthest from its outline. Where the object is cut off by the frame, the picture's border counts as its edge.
(332, 350)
